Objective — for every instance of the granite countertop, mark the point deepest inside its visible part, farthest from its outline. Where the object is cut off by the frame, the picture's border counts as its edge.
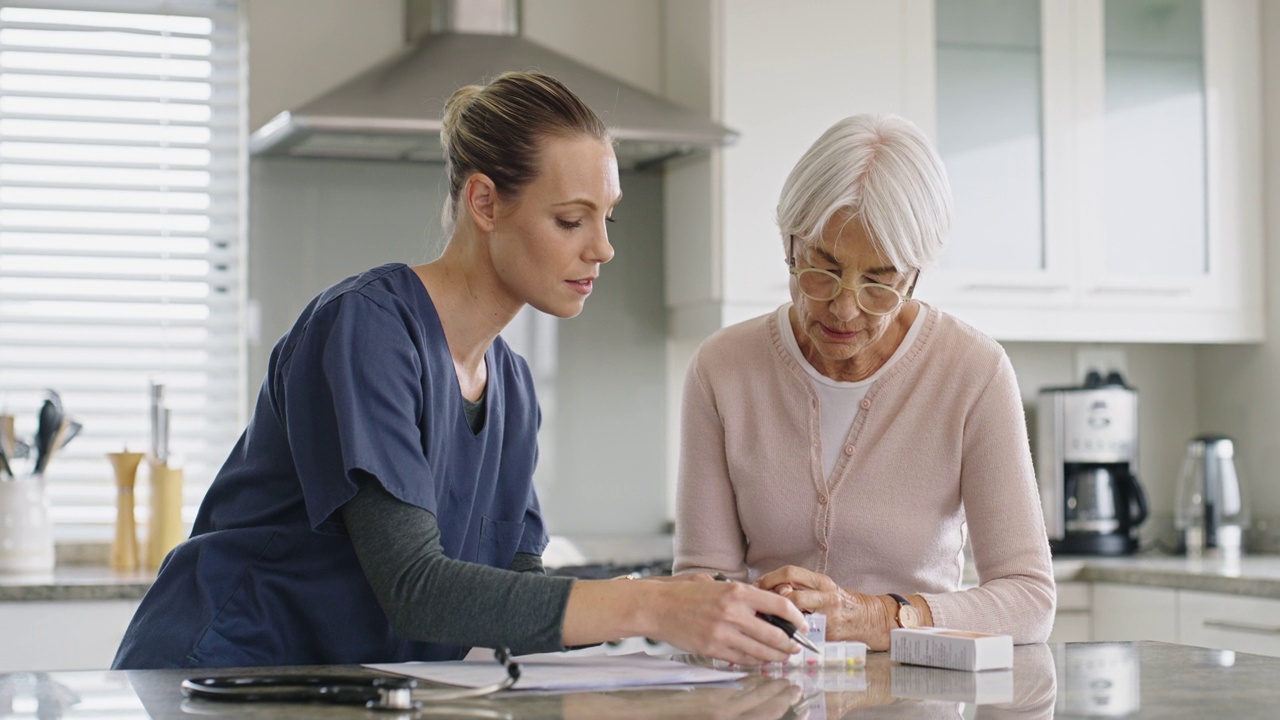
(76, 582)
(1133, 680)
(1255, 575)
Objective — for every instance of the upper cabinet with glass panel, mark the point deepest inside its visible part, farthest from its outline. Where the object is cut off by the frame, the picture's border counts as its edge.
(1105, 161)
(990, 122)
(1154, 151)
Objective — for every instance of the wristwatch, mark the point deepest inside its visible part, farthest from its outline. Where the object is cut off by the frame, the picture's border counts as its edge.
(907, 616)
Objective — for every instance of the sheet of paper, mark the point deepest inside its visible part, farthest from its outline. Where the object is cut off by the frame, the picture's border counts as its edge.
(560, 671)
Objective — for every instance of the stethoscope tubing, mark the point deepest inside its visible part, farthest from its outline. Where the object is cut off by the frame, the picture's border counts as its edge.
(376, 693)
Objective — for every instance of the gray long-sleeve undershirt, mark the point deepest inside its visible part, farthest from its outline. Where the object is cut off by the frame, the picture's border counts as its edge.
(430, 597)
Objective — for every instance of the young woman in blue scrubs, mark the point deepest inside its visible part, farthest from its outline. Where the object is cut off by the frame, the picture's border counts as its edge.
(379, 506)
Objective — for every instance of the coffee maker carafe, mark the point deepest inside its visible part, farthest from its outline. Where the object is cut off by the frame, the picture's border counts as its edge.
(1088, 455)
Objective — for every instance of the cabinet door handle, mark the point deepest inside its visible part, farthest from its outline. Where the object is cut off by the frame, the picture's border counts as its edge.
(991, 287)
(1151, 291)
(1242, 627)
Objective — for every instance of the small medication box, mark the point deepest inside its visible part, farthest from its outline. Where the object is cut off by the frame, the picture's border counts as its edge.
(951, 649)
(817, 632)
(849, 654)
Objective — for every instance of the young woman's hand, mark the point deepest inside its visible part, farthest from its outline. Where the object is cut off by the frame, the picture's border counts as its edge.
(718, 619)
(850, 615)
(693, 613)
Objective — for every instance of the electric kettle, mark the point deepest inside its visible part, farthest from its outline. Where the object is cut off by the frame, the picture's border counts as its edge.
(1210, 515)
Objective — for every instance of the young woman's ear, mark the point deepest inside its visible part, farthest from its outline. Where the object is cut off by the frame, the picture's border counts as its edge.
(480, 200)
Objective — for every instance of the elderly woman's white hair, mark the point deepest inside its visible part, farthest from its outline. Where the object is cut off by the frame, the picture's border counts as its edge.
(881, 171)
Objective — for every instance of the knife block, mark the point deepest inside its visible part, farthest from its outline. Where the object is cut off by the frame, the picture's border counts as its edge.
(124, 547)
(164, 529)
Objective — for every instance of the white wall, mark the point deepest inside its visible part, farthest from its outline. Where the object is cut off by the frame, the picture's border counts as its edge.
(300, 48)
(617, 37)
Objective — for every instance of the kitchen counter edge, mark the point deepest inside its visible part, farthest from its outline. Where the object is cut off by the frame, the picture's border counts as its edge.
(1251, 575)
(82, 583)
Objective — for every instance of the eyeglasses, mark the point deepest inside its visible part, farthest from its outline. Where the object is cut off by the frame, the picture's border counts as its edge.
(824, 285)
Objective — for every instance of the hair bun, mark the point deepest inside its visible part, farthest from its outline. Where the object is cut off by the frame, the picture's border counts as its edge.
(457, 104)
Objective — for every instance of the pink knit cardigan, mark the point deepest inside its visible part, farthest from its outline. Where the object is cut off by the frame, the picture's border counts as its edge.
(938, 450)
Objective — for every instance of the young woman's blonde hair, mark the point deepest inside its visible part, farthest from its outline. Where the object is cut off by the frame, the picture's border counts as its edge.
(499, 130)
(879, 170)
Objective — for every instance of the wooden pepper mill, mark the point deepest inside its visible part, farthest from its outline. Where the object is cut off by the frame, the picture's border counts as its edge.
(124, 548)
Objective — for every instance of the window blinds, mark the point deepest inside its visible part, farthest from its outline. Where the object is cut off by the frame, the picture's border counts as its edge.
(121, 218)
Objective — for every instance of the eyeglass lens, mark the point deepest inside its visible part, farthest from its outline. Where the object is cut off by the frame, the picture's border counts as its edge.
(822, 285)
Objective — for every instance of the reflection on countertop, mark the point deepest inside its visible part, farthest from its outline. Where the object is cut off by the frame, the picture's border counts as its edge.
(882, 687)
(1133, 680)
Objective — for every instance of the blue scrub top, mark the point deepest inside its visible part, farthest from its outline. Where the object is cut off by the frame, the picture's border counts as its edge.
(362, 385)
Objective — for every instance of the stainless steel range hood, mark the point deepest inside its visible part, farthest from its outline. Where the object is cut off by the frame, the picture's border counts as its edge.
(393, 111)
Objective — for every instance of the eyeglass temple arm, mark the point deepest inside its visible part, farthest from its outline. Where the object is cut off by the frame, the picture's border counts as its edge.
(911, 290)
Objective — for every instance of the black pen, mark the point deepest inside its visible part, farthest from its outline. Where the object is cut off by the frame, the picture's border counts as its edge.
(780, 623)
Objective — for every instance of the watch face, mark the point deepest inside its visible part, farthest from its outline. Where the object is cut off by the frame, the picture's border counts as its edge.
(908, 616)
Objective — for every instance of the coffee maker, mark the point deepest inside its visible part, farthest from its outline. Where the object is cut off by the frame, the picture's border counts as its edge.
(1088, 456)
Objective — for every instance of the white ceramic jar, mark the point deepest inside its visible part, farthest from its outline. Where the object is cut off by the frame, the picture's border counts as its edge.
(26, 535)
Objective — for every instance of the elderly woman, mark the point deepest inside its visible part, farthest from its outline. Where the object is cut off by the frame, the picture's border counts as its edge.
(841, 449)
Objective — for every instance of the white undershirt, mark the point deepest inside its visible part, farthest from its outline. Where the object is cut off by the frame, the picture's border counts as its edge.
(838, 401)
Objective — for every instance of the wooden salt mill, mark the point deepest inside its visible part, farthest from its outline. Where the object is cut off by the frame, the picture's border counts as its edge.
(124, 548)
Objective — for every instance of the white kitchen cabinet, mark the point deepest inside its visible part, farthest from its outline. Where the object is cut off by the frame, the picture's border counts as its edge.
(1130, 612)
(62, 635)
(1105, 156)
(1229, 622)
(1105, 161)
(1074, 619)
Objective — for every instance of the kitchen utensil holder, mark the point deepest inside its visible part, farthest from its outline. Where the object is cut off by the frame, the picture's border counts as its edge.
(124, 547)
(26, 535)
(164, 529)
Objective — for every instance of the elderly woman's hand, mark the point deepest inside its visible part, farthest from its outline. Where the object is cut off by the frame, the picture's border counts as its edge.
(850, 615)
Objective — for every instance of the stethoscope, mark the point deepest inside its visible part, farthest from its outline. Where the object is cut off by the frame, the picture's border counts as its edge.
(375, 693)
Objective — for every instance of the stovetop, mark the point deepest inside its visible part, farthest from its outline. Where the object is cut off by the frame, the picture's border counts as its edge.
(606, 570)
